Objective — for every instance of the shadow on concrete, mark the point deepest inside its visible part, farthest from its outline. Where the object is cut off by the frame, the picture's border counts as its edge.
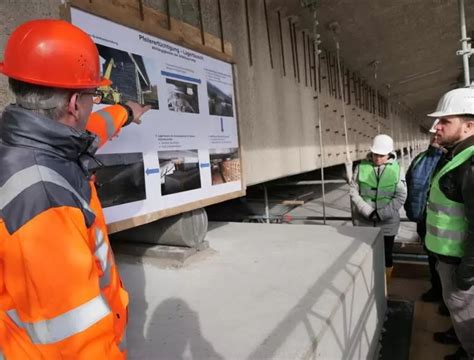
(354, 330)
(173, 330)
(135, 284)
(175, 333)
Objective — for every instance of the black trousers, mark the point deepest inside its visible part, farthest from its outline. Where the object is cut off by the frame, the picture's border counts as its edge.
(389, 240)
(434, 276)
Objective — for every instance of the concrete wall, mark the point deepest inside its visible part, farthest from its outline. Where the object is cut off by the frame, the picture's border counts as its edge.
(278, 115)
(13, 13)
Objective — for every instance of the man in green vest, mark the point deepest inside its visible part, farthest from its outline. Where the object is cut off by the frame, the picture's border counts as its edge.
(450, 213)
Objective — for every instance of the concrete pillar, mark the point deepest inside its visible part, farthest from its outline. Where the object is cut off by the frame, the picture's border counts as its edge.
(14, 13)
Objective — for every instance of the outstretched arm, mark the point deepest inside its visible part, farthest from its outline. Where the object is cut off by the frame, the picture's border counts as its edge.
(107, 122)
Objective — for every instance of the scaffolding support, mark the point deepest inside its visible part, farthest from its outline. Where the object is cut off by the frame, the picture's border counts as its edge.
(318, 104)
(466, 50)
(312, 5)
(348, 164)
(267, 210)
(375, 64)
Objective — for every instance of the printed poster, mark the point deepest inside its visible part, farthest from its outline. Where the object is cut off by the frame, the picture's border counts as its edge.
(186, 148)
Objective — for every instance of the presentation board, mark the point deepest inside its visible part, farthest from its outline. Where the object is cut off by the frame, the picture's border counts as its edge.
(185, 153)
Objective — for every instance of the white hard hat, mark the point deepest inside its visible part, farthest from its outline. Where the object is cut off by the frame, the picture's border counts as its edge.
(455, 102)
(382, 145)
(432, 130)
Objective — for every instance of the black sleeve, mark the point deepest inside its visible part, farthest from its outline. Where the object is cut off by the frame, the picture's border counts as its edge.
(465, 271)
(129, 112)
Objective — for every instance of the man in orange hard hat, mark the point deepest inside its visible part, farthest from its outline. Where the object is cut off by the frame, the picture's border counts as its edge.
(61, 296)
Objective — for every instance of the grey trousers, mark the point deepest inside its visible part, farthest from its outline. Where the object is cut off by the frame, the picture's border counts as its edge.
(461, 306)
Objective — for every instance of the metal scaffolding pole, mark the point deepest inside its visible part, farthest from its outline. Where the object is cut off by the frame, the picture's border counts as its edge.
(312, 5)
(466, 50)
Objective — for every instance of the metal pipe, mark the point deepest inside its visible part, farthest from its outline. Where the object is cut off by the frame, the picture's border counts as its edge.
(268, 33)
(305, 62)
(297, 60)
(201, 23)
(267, 211)
(318, 106)
(376, 96)
(290, 27)
(416, 258)
(312, 182)
(221, 26)
(311, 67)
(281, 43)
(140, 7)
(168, 13)
(466, 48)
(288, 217)
(249, 38)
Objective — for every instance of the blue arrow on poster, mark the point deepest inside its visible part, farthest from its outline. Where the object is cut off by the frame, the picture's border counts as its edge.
(222, 125)
(152, 171)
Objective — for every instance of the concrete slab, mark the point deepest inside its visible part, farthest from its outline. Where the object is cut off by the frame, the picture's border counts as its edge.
(171, 255)
(264, 292)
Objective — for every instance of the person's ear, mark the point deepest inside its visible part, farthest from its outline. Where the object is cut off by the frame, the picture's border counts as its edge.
(72, 106)
(470, 126)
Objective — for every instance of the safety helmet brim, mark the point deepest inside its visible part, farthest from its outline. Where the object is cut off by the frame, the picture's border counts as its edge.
(379, 151)
(102, 82)
(439, 114)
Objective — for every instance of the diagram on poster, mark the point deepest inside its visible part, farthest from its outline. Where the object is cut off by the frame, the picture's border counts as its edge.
(186, 150)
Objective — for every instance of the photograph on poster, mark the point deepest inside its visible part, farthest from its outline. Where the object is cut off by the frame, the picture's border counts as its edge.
(220, 99)
(182, 96)
(132, 77)
(179, 171)
(120, 178)
(225, 165)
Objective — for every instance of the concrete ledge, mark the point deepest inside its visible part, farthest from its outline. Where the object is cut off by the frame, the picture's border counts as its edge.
(268, 292)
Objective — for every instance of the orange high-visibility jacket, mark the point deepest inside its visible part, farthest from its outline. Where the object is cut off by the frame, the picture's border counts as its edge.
(61, 296)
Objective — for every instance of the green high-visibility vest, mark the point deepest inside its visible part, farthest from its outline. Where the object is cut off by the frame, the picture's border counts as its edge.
(446, 222)
(378, 190)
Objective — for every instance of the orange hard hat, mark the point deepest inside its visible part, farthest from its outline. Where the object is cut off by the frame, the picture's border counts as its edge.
(52, 53)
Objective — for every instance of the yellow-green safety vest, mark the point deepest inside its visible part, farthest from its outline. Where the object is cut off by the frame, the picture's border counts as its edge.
(446, 222)
(378, 191)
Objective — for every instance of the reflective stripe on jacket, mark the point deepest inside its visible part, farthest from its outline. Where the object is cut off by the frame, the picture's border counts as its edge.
(60, 292)
(446, 222)
(106, 124)
(378, 189)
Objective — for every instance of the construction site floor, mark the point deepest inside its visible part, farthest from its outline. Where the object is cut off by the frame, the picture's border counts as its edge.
(426, 319)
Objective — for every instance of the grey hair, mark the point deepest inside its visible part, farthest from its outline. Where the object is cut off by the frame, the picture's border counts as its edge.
(48, 101)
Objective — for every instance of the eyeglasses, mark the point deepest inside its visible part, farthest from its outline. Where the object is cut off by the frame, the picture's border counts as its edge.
(96, 95)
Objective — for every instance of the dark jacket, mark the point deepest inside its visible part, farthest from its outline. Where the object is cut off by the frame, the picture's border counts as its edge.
(418, 182)
(458, 185)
